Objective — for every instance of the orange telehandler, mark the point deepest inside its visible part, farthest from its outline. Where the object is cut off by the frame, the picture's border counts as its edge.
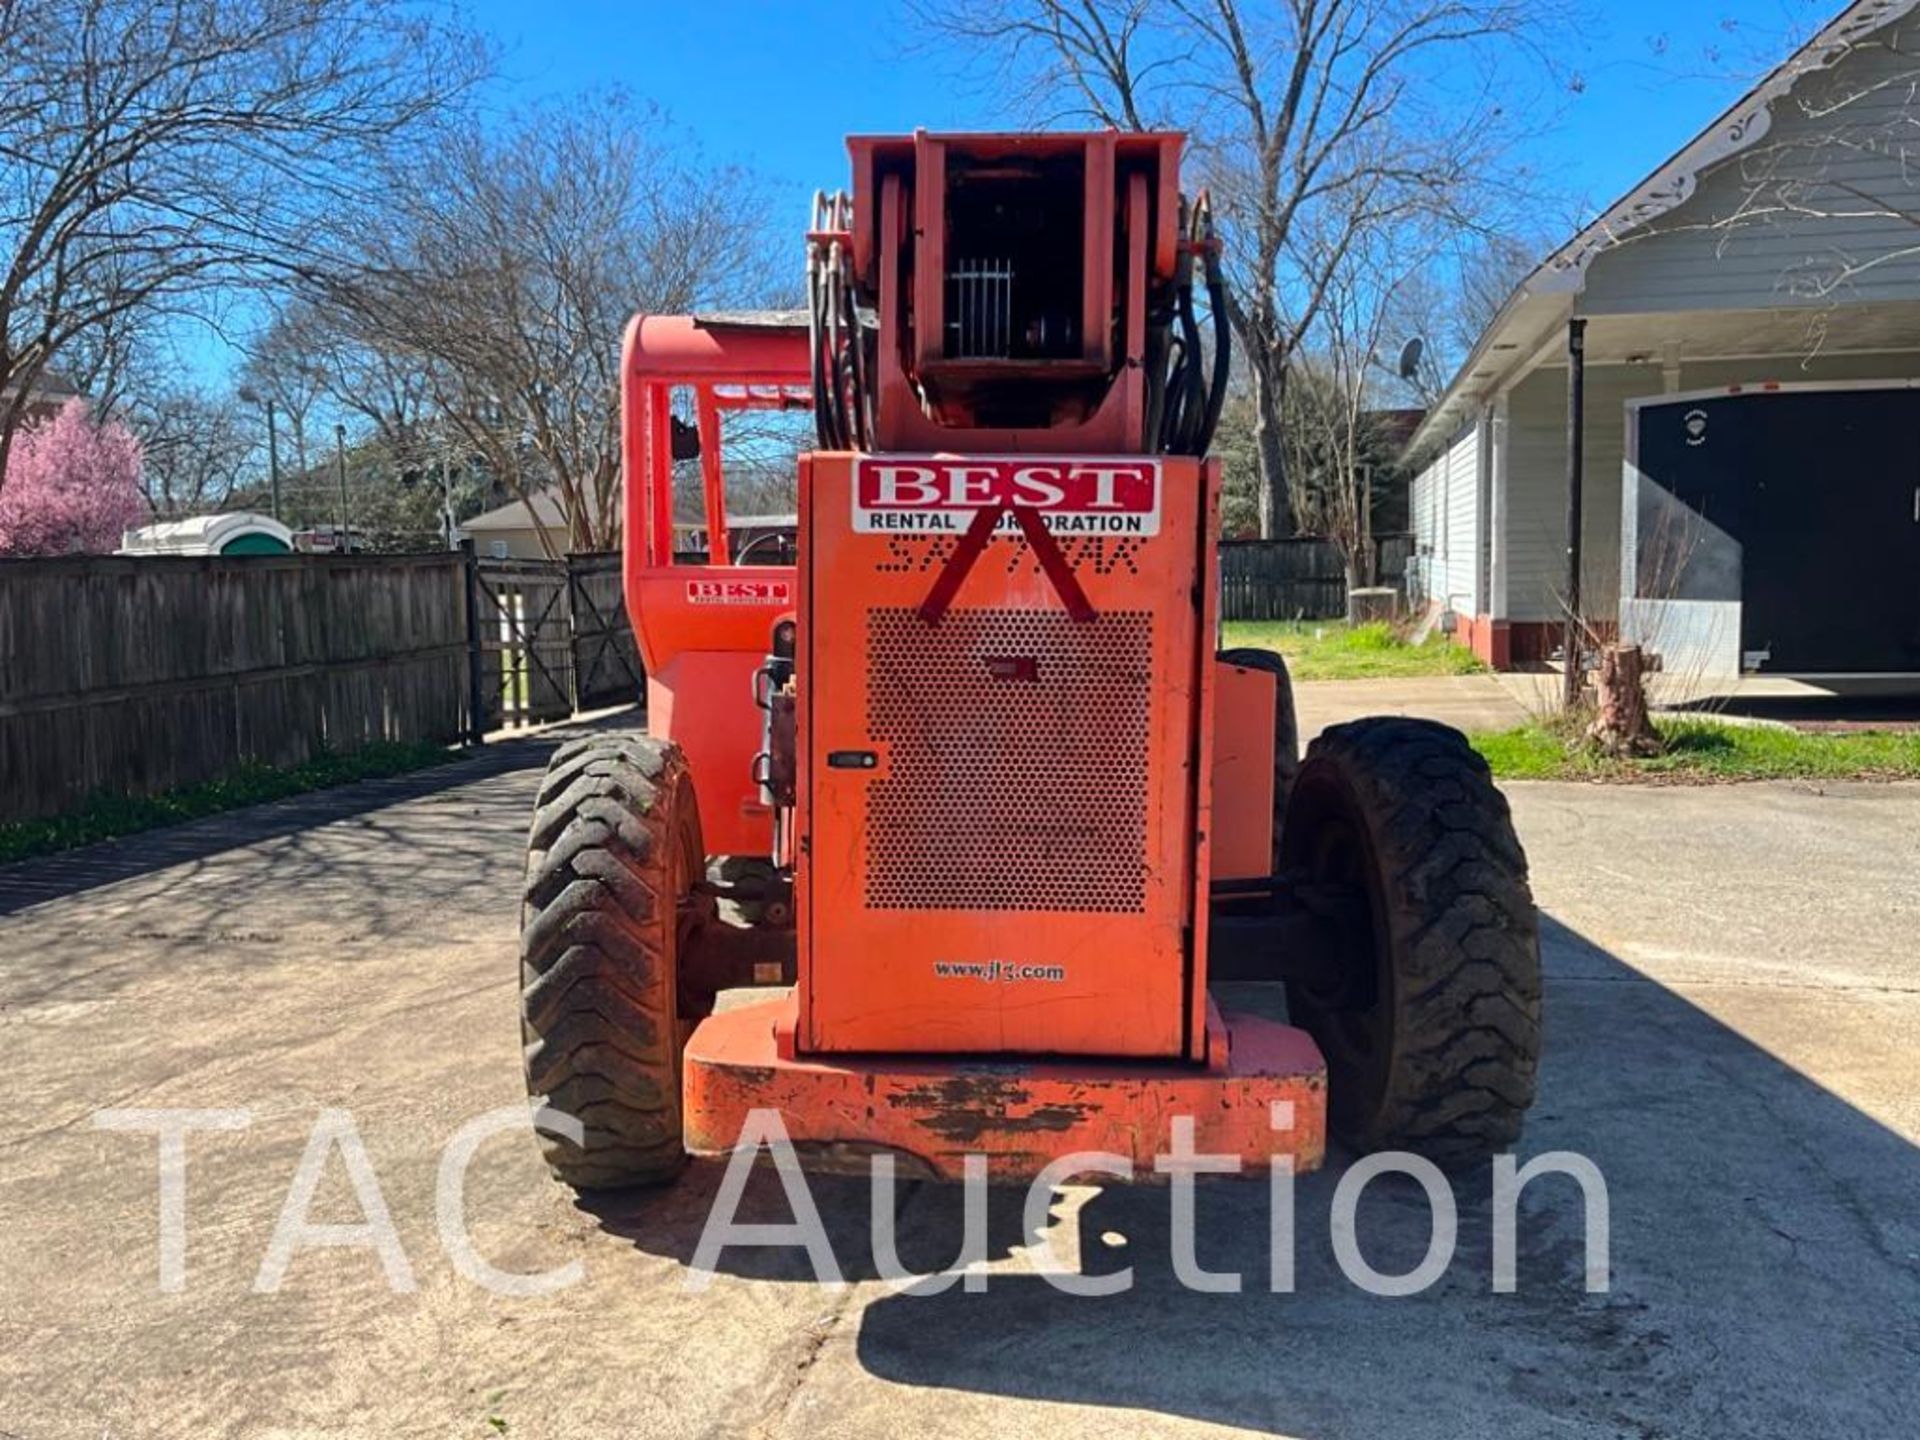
(952, 756)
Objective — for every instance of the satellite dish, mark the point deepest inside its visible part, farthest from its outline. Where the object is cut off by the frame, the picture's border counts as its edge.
(1410, 358)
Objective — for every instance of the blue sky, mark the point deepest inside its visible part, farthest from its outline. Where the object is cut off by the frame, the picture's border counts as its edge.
(777, 83)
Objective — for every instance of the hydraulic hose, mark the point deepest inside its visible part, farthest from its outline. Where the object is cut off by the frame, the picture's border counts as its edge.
(1209, 246)
(1183, 403)
(839, 357)
(1176, 400)
(1222, 350)
(856, 379)
(836, 360)
(1186, 390)
(816, 349)
(1156, 373)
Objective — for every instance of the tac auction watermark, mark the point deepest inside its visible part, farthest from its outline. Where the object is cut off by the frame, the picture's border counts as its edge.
(334, 1140)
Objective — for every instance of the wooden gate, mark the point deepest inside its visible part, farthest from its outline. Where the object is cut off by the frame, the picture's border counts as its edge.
(525, 635)
(606, 662)
(552, 638)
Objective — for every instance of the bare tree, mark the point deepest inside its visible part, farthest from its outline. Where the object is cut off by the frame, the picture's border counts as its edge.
(1449, 300)
(1317, 123)
(103, 361)
(196, 446)
(1330, 436)
(156, 153)
(507, 268)
(1490, 272)
(287, 367)
(369, 380)
(1341, 453)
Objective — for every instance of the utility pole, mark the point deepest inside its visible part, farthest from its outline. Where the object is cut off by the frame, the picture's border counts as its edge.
(340, 464)
(273, 458)
(254, 397)
(1576, 475)
(446, 499)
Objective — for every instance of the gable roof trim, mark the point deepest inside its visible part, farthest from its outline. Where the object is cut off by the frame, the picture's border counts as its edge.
(1743, 126)
(1564, 273)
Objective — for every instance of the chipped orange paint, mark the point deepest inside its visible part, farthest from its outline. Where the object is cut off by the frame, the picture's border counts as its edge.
(1019, 1113)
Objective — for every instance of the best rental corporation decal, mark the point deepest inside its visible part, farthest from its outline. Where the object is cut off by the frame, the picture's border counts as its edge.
(940, 494)
(739, 592)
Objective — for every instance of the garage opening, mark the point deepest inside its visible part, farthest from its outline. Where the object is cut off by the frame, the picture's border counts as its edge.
(1775, 530)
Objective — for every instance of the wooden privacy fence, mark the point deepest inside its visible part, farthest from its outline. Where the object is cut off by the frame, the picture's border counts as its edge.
(134, 675)
(137, 675)
(1298, 579)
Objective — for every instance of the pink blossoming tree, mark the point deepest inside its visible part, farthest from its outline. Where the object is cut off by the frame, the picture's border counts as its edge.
(71, 487)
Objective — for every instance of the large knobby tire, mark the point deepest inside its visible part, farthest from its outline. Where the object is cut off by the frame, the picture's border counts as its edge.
(1286, 723)
(615, 845)
(1433, 1044)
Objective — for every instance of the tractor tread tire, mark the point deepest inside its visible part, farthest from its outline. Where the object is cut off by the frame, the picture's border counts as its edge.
(1463, 936)
(599, 1018)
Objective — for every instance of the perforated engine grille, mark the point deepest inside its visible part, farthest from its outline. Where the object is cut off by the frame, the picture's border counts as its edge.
(1018, 756)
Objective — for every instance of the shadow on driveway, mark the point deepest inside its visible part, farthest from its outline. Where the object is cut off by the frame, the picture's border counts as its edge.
(73, 872)
(1765, 1268)
(1816, 712)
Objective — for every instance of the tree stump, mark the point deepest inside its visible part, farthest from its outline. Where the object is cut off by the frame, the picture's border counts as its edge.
(1621, 727)
(1369, 603)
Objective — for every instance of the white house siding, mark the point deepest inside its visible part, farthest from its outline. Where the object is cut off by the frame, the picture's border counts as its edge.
(1537, 489)
(1464, 556)
(1692, 260)
(1446, 523)
(1714, 374)
(1419, 509)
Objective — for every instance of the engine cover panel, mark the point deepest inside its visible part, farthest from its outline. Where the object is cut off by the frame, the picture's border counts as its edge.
(999, 819)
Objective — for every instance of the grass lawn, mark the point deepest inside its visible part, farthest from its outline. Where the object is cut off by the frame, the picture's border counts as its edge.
(107, 817)
(1334, 650)
(1703, 751)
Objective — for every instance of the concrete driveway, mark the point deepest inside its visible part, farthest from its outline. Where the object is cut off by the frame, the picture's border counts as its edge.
(1471, 703)
(1734, 1015)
